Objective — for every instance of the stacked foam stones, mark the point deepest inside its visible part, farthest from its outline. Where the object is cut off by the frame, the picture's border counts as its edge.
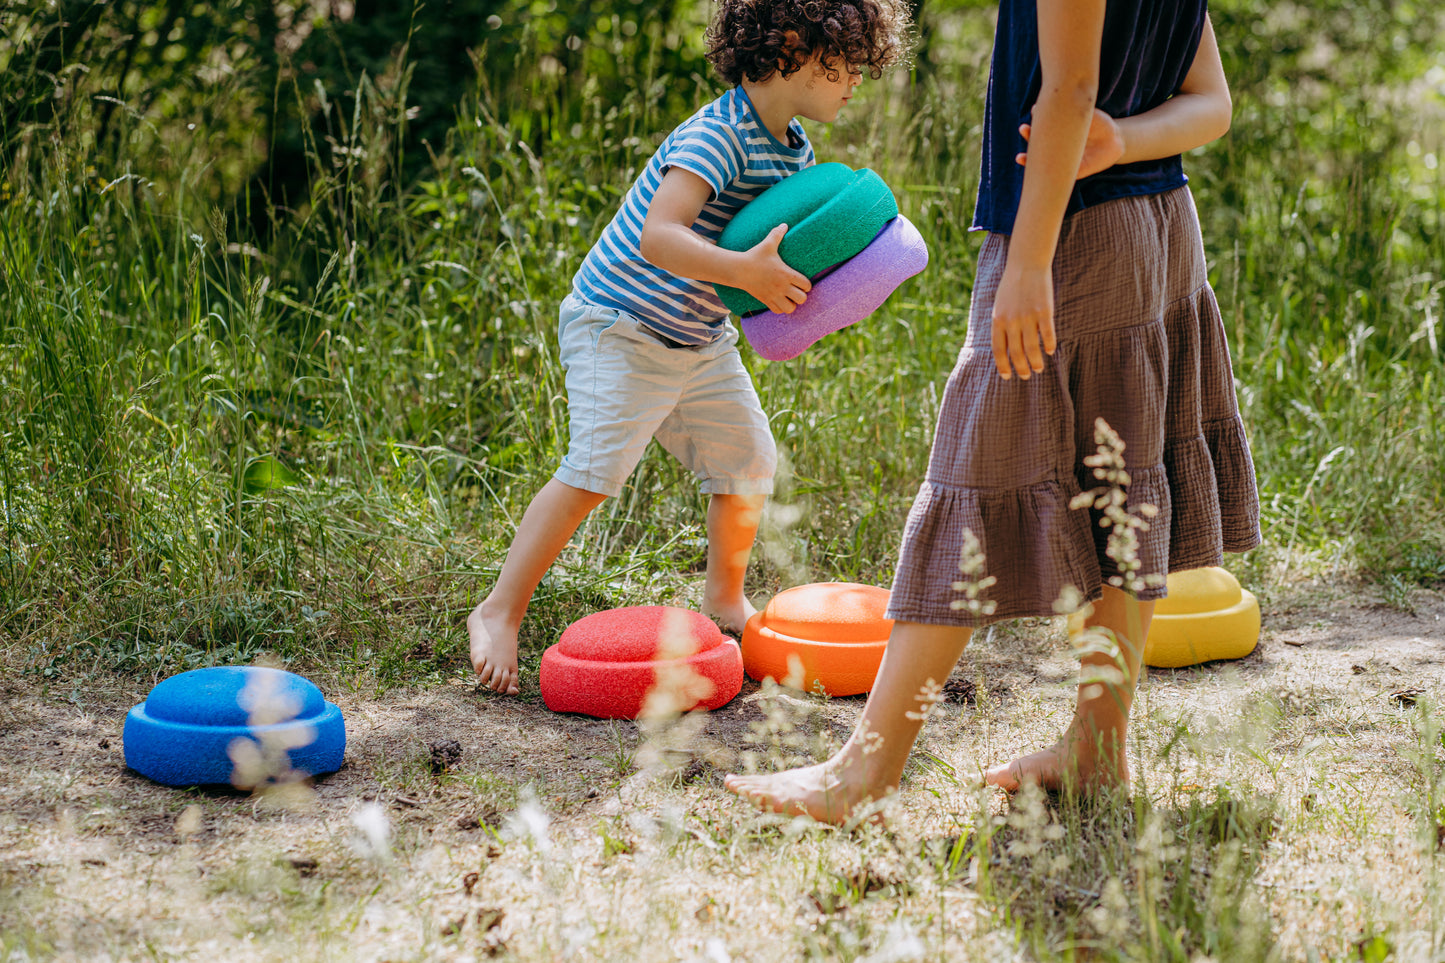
(844, 233)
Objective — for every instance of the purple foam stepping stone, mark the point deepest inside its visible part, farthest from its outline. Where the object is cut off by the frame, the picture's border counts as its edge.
(851, 292)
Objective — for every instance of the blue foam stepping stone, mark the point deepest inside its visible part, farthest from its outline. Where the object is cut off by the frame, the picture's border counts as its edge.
(233, 724)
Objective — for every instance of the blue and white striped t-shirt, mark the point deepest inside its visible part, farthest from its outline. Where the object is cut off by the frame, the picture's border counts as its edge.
(726, 145)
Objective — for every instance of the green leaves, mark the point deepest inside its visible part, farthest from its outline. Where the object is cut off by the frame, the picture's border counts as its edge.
(266, 473)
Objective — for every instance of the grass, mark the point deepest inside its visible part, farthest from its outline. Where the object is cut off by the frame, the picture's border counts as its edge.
(224, 438)
(314, 448)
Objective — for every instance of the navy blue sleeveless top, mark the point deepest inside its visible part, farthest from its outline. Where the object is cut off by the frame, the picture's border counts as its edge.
(1148, 47)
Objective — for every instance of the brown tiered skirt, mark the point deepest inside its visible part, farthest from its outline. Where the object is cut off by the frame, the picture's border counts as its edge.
(1141, 344)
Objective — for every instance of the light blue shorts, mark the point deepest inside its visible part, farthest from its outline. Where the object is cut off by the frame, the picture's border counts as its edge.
(625, 386)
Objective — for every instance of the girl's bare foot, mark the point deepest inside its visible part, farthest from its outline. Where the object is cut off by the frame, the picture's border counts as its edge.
(816, 791)
(494, 651)
(1072, 763)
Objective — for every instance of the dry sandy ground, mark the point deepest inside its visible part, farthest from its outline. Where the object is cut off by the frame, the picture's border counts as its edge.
(557, 836)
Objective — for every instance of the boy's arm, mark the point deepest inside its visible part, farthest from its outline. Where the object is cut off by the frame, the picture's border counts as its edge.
(1197, 114)
(669, 242)
(1070, 35)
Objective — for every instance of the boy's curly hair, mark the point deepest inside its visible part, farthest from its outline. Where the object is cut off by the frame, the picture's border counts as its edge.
(753, 39)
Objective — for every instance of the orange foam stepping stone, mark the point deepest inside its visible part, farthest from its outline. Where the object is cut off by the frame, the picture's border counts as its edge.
(826, 637)
(652, 659)
(1206, 616)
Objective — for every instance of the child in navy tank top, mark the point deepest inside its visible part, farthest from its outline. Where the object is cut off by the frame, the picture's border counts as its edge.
(1091, 304)
(644, 339)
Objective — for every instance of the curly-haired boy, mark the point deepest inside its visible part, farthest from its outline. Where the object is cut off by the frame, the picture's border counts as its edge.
(647, 346)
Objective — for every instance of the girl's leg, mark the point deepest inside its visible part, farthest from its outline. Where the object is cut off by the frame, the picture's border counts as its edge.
(547, 525)
(1092, 752)
(918, 659)
(732, 526)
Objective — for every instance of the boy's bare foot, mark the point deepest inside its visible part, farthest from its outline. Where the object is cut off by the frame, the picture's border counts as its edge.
(731, 617)
(815, 791)
(494, 651)
(1070, 763)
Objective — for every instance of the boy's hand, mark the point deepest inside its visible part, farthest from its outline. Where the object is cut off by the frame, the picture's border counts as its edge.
(1023, 315)
(1101, 151)
(770, 280)
(669, 242)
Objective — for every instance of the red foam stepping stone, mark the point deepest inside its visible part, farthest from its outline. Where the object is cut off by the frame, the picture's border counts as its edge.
(827, 637)
(657, 659)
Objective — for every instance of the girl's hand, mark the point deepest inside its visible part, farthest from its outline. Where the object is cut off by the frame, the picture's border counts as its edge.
(1023, 316)
(770, 280)
(1102, 150)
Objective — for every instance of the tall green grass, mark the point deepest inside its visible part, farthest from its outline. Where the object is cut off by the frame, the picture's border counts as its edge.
(320, 447)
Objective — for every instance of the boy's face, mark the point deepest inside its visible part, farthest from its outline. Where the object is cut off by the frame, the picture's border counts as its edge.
(818, 98)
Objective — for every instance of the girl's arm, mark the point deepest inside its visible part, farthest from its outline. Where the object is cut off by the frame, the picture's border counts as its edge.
(1197, 114)
(1070, 34)
(669, 242)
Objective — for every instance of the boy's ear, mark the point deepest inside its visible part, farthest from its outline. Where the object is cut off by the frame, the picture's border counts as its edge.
(792, 41)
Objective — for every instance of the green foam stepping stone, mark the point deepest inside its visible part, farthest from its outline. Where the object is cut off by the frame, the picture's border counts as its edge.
(832, 213)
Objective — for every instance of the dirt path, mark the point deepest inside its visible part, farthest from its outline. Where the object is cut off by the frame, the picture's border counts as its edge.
(98, 862)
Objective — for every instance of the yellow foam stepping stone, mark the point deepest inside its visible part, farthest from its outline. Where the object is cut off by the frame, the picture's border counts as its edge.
(1206, 616)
